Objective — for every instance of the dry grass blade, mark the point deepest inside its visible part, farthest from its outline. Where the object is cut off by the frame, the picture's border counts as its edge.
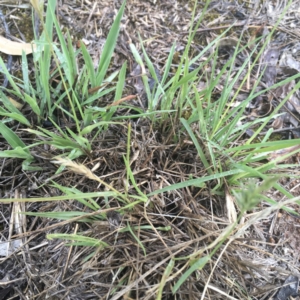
(84, 171)
(37, 5)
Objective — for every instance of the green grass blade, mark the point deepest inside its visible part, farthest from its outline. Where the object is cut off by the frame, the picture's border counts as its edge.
(139, 60)
(89, 128)
(195, 182)
(164, 278)
(118, 93)
(18, 152)
(7, 104)
(198, 265)
(25, 73)
(121, 82)
(83, 240)
(11, 137)
(60, 215)
(16, 116)
(137, 239)
(89, 65)
(62, 198)
(90, 202)
(109, 47)
(71, 57)
(33, 104)
(196, 143)
(265, 147)
(9, 77)
(132, 179)
(44, 60)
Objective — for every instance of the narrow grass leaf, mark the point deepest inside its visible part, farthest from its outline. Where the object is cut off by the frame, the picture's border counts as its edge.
(62, 198)
(67, 56)
(143, 74)
(109, 46)
(131, 205)
(89, 128)
(26, 165)
(198, 265)
(168, 64)
(196, 143)
(137, 239)
(255, 173)
(18, 152)
(265, 147)
(9, 77)
(8, 103)
(146, 227)
(65, 215)
(11, 137)
(101, 92)
(82, 240)
(132, 179)
(194, 182)
(17, 117)
(154, 100)
(80, 140)
(25, 73)
(89, 202)
(33, 104)
(121, 82)
(71, 55)
(89, 65)
(44, 60)
(164, 278)
(188, 77)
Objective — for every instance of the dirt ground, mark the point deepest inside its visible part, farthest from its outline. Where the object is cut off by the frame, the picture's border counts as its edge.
(254, 266)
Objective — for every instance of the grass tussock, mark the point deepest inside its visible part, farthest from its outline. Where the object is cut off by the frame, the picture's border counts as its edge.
(178, 191)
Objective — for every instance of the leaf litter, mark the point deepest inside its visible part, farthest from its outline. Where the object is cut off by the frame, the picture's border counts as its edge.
(256, 264)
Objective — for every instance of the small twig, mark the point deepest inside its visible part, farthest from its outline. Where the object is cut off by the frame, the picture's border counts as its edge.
(280, 130)
(229, 25)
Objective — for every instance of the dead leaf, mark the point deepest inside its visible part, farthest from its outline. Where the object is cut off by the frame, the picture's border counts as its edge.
(13, 48)
(230, 206)
(277, 123)
(127, 98)
(16, 104)
(270, 60)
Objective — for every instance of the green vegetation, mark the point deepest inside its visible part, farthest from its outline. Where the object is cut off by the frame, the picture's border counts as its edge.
(232, 163)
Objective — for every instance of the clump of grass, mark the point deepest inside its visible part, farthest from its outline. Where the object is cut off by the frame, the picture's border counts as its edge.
(67, 102)
(225, 165)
